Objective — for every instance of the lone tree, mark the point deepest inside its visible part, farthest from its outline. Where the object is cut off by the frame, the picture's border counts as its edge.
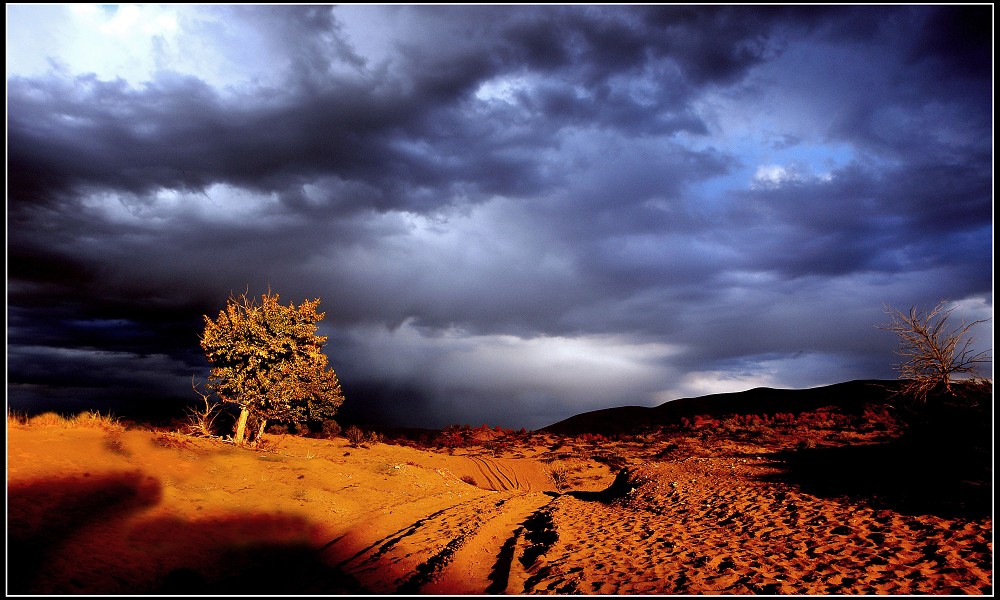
(267, 359)
(933, 352)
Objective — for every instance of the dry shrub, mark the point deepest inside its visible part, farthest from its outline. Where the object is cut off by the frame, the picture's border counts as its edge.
(935, 355)
(806, 444)
(757, 432)
(559, 474)
(355, 436)
(201, 422)
(331, 428)
(592, 438)
(878, 418)
(453, 436)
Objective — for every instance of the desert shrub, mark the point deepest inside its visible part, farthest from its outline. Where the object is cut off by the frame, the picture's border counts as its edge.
(373, 437)
(806, 444)
(452, 436)
(558, 474)
(877, 418)
(841, 435)
(354, 435)
(759, 431)
(496, 447)
(330, 428)
(592, 438)
(782, 419)
(277, 429)
(705, 422)
(731, 425)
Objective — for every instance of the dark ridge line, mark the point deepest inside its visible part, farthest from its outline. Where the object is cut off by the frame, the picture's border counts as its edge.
(850, 396)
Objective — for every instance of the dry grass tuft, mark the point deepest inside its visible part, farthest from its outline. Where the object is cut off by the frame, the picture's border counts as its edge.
(16, 419)
(94, 419)
(87, 419)
(47, 419)
(559, 474)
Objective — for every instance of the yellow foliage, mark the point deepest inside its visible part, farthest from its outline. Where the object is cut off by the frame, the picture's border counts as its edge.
(268, 359)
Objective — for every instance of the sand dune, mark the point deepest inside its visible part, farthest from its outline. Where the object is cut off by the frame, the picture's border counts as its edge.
(142, 512)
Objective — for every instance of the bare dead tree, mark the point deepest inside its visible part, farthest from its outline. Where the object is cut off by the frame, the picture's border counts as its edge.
(202, 421)
(933, 352)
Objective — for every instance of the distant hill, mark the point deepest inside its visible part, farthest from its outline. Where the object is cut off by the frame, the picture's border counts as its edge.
(850, 397)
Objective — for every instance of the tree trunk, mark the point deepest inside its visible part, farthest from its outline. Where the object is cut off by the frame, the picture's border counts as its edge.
(260, 430)
(241, 427)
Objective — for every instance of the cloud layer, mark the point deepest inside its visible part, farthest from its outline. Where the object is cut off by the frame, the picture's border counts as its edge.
(511, 214)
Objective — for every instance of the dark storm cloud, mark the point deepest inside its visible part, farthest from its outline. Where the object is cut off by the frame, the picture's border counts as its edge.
(177, 131)
(507, 210)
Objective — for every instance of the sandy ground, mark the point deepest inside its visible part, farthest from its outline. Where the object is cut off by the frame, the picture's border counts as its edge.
(144, 512)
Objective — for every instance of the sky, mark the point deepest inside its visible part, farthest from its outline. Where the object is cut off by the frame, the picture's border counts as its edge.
(511, 214)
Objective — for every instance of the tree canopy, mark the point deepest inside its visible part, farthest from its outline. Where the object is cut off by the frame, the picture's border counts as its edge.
(267, 359)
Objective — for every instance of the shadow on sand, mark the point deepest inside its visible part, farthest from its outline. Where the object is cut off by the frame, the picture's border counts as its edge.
(942, 465)
(619, 488)
(49, 520)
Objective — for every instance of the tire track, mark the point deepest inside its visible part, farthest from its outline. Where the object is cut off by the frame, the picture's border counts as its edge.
(507, 475)
(411, 556)
(518, 567)
(449, 551)
(386, 543)
(480, 564)
(500, 477)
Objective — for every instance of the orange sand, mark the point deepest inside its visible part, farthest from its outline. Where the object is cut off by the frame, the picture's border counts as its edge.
(141, 512)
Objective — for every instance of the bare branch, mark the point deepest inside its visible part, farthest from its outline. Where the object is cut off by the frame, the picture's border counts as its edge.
(202, 422)
(933, 352)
